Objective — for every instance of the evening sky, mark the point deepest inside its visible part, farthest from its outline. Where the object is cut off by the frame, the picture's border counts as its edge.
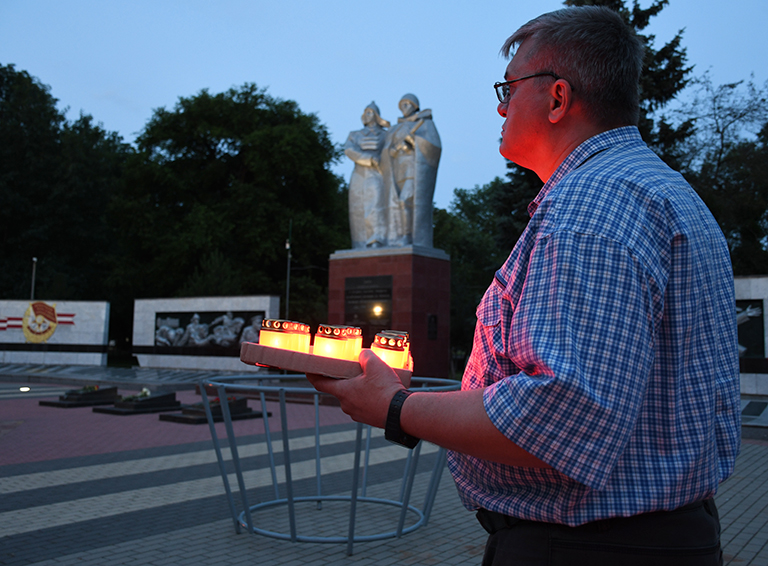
(118, 60)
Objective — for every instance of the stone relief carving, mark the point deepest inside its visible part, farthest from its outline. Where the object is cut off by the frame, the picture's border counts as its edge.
(393, 182)
(251, 332)
(225, 330)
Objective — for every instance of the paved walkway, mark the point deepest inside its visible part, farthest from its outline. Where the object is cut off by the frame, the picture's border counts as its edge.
(166, 379)
(86, 488)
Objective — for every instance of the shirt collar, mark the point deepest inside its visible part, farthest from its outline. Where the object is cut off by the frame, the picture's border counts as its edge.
(587, 149)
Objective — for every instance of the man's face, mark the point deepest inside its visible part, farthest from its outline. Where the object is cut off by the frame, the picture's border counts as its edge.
(524, 111)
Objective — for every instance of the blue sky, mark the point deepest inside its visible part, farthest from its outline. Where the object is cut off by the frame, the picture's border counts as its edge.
(120, 60)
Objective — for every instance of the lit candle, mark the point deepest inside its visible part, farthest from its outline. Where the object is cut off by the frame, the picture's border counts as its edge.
(331, 342)
(274, 335)
(285, 334)
(403, 335)
(302, 337)
(354, 342)
(406, 340)
(391, 348)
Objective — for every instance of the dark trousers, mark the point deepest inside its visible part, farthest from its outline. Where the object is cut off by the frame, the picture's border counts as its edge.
(687, 536)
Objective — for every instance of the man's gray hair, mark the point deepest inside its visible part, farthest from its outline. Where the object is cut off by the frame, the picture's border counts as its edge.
(595, 51)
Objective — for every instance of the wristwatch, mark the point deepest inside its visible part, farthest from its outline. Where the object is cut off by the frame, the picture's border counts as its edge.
(393, 432)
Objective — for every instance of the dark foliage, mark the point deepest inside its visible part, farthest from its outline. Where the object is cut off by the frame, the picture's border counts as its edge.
(56, 178)
(210, 193)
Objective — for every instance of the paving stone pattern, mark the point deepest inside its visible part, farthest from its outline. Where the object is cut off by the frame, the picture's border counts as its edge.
(78, 487)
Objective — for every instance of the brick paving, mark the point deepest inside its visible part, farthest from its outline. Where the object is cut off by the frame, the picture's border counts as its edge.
(79, 487)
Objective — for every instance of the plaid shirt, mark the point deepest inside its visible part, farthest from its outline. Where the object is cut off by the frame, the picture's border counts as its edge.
(607, 346)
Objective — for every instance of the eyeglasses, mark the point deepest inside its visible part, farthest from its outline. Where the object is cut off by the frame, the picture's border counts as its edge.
(502, 89)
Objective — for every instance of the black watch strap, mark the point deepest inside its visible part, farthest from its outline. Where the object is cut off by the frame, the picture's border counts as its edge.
(393, 432)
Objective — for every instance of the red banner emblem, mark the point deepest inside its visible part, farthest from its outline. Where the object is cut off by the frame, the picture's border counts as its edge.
(39, 322)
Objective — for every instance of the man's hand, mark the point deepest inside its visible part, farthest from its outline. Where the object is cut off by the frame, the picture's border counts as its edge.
(366, 397)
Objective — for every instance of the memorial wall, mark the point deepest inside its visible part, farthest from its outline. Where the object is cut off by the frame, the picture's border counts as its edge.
(199, 333)
(54, 332)
(751, 298)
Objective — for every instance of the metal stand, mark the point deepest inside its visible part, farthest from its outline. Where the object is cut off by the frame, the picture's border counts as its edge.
(259, 387)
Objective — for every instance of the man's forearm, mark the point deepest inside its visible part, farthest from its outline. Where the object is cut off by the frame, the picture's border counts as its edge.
(457, 420)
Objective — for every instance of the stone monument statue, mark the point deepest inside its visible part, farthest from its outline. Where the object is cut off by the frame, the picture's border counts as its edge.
(252, 331)
(409, 165)
(393, 182)
(195, 333)
(368, 199)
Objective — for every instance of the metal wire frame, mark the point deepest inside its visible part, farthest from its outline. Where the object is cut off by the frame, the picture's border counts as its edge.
(259, 387)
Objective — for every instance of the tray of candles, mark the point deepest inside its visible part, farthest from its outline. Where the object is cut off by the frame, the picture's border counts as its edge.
(288, 345)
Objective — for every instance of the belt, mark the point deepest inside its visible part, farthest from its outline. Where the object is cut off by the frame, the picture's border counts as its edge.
(493, 522)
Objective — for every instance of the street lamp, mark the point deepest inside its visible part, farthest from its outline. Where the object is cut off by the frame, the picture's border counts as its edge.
(288, 272)
(32, 293)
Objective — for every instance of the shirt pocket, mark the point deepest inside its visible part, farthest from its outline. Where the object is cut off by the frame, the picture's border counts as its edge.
(494, 361)
(489, 310)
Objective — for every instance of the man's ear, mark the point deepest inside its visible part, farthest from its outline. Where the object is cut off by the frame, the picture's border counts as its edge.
(561, 100)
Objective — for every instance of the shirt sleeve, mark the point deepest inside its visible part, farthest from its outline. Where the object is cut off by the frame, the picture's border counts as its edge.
(581, 337)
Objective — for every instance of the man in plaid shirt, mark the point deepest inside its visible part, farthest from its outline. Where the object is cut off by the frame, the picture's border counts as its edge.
(599, 409)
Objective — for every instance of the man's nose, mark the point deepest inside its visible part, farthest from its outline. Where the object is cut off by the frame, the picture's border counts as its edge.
(502, 109)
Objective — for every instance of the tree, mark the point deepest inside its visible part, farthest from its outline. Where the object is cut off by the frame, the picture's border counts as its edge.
(727, 166)
(737, 193)
(56, 178)
(722, 116)
(210, 194)
(29, 128)
(80, 237)
(467, 232)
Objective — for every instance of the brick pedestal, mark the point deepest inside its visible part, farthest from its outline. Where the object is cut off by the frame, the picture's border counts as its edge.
(412, 286)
